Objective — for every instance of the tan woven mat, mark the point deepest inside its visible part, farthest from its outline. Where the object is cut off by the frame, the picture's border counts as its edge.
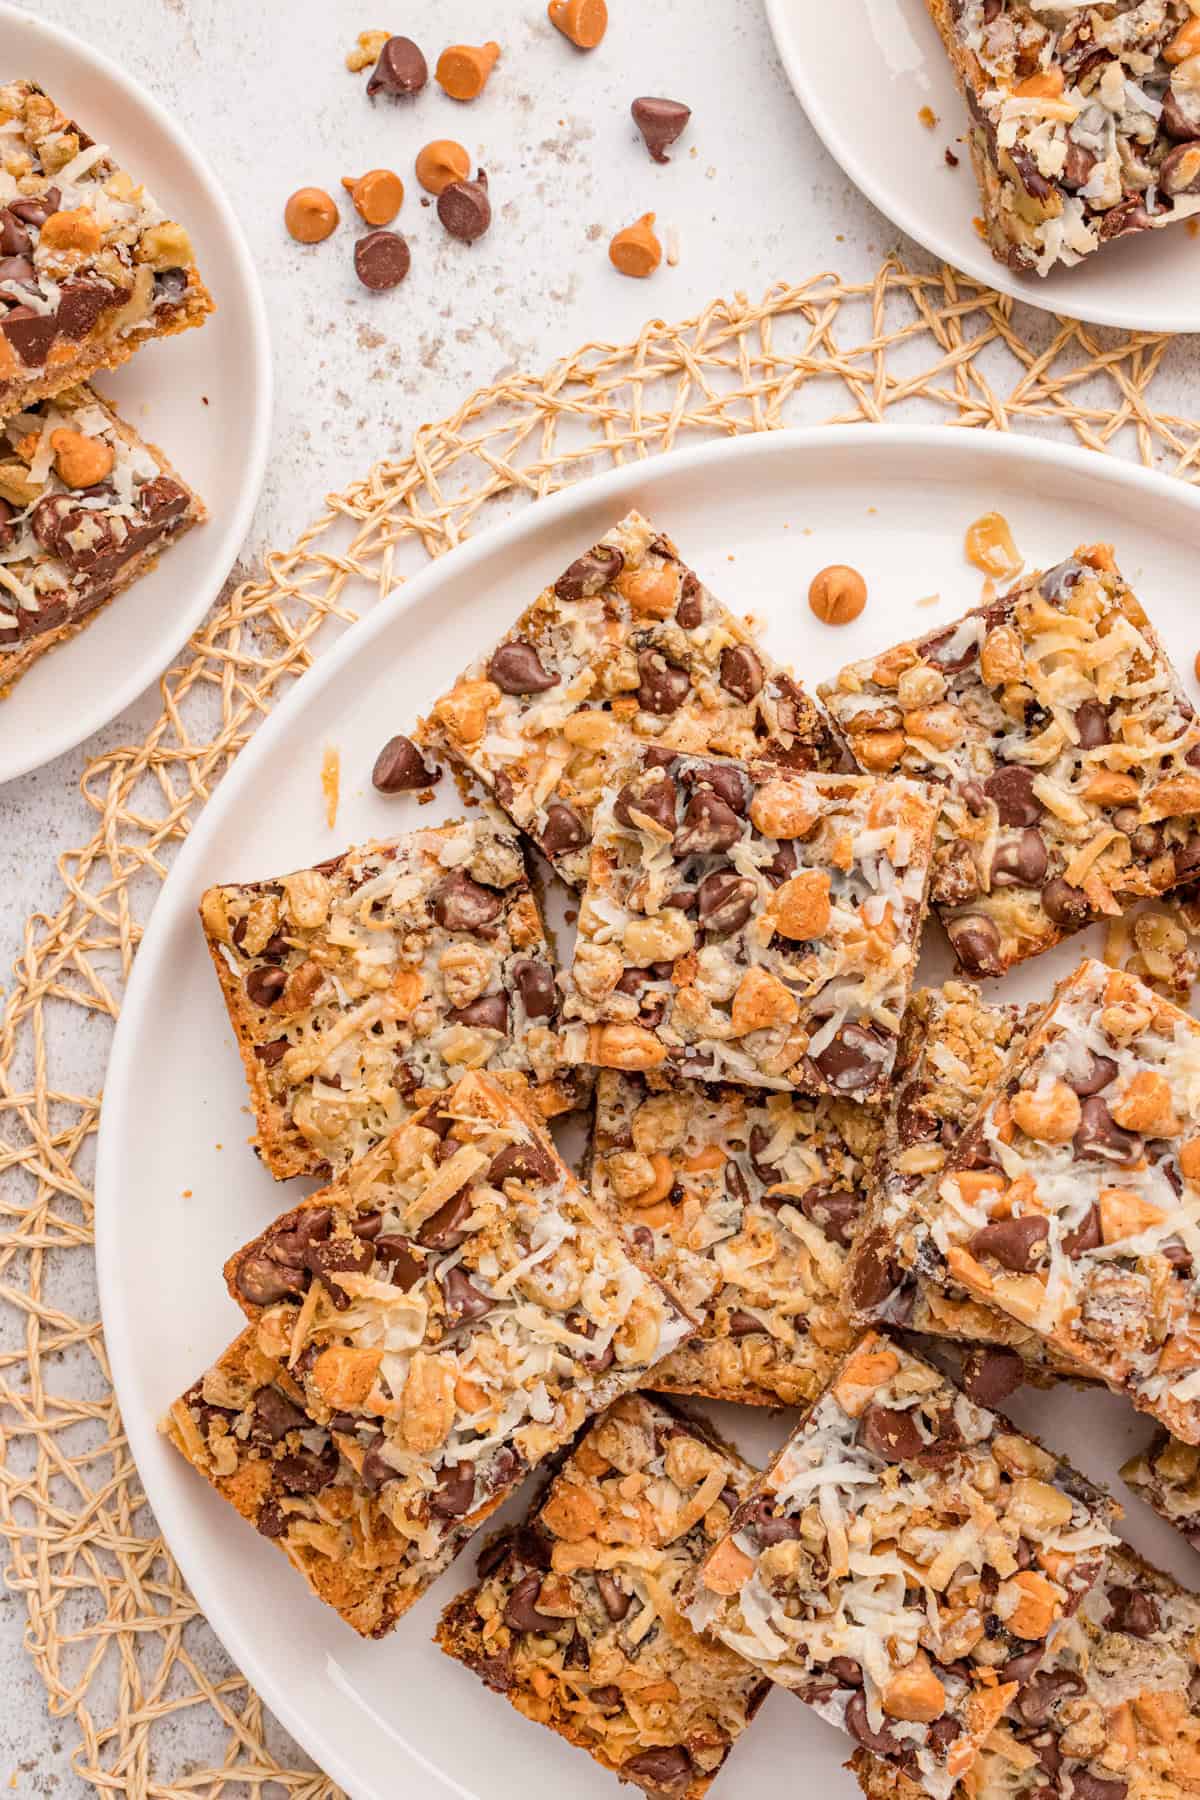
(149, 1699)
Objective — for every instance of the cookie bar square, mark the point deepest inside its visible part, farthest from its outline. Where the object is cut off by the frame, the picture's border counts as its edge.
(751, 924)
(1085, 121)
(244, 1428)
(1167, 1476)
(1068, 752)
(627, 647)
(358, 988)
(1070, 1202)
(1112, 1715)
(85, 509)
(904, 1563)
(92, 267)
(456, 1305)
(576, 1616)
(744, 1204)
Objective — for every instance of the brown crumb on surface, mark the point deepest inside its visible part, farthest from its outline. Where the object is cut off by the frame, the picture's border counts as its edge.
(570, 915)
(928, 117)
(187, 1194)
(951, 159)
(331, 781)
(366, 50)
(928, 600)
(1193, 226)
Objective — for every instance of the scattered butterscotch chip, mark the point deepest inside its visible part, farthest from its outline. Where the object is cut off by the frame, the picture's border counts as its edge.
(310, 215)
(837, 594)
(989, 545)
(660, 123)
(928, 118)
(583, 21)
(366, 50)
(635, 250)
(378, 195)
(331, 781)
(463, 69)
(81, 461)
(464, 208)
(440, 163)
(400, 71)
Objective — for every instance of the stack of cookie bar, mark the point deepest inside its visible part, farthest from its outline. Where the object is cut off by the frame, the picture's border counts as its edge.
(90, 270)
(808, 1184)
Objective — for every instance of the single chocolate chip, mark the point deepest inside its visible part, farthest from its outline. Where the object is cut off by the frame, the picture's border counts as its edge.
(454, 1495)
(1086, 1786)
(608, 1696)
(1020, 1667)
(892, 1435)
(400, 768)
(14, 238)
(1100, 1072)
(1065, 905)
(1100, 1137)
(616, 1601)
(534, 982)
(272, 1521)
(522, 1162)
(1132, 1611)
(563, 830)
(852, 1060)
(1179, 171)
(836, 1211)
(1091, 722)
(976, 944)
(516, 668)
(334, 1257)
(708, 825)
(1038, 1698)
(690, 611)
(744, 1324)
(31, 334)
(381, 260)
(783, 864)
(494, 1553)
(728, 783)
(873, 1278)
(275, 1416)
(589, 573)
(725, 900)
(489, 1013)
(656, 799)
(261, 1280)
(1017, 1244)
(464, 208)
(1086, 1236)
(464, 1302)
(308, 1471)
(20, 270)
(443, 1229)
(848, 1672)
(400, 71)
(460, 904)
(663, 687)
(80, 304)
(521, 1613)
(265, 986)
(767, 1526)
(1012, 790)
(663, 1768)
(395, 1254)
(741, 672)
(858, 1725)
(660, 123)
(1020, 862)
(36, 212)
(376, 1469)
(760, 1137)
(991, 1375)
(273, 1053)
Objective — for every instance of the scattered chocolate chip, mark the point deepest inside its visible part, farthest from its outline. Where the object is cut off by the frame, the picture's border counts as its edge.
(690, 611)
(660, 123)
(521, 1613)
(616, 1601)
(852, 1060)
(1042, 1693)
(400, 71)
(1086, 1236)
(381, 260)
(1133, 1612)
(522, 1162)
(464, 208)
(272, 1521)
(728, 783)
(261, 1280)
(835, 1210)
(14, 238)
(535, 983)
(30, 334)
(664, 687)
(563, 830)
(460, 904)
(991, 1375)
(664, 1767)
(1086, 1786)
(1100, 1137)
(334, 1257)
(1066, 905)
(395, 1255)
(1012, 790)
(1091, 722)
(741, 672)
(976, 943)
(873, 1277)
(858, 1725)
(709, 825)
(488, 1013)
(275, 1416)
(766, 1525)
(744, 1324)
(455, 1492)
(36, 212)
(589, 573)
(1017, 1244)
(443, 1230)
(1021, 861)
(516, 668)
(892, 1435)
(1100, 1072)
(308, 1471)
(654, 799)
(265, 986)
(725, 900)
(400, 767)
(463, 1299)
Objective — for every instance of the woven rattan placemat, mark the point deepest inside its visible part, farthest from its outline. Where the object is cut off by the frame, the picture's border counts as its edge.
(147, 1694)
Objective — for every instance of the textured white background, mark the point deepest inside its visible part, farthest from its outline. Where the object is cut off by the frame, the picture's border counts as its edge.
(261, 87)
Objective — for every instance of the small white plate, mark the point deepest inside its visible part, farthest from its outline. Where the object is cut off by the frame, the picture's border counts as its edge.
(203, 397)
(177, 1189)
(863, 80)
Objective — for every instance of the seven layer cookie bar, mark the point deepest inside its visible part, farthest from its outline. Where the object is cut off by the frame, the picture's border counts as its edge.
(745, 1203)
(1114, 1714)
(1068, 750)
(454, 1306)
(904, 1563)
(358, 988)
(752, 924)
(1085, 120)
(627, 647)
(91, 268)
(85, 509)
(1070, 1203)
(576, 1617)
(1167, 1476)
(244, 1428)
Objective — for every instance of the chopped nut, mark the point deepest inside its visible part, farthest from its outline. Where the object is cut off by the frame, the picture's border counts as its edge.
(366, 50)
(990, 546)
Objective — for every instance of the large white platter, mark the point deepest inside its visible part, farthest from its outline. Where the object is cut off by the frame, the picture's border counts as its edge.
(204, 397)
(864, 73)
(178, 1188)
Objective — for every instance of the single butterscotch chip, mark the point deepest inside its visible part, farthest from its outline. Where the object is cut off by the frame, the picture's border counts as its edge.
(81, 461)
(635, 250)
(583, 21)
(990, 546)
(463, 69)
(440, 163)
(838, 594)
(378, 195)
(310, 215)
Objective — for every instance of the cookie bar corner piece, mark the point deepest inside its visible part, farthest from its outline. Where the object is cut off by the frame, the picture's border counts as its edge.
(94, 267)
(1070, 1203)
(358, 987)
(551, 1623)
(243, 1427)
(751, 923)
(1083, 129)
(627, 648)
(1067, 749)
(856, 1575)
(86, 508)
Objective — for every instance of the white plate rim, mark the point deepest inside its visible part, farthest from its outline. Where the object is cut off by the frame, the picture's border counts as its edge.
(980, 266)
(236, 1631)
(225, 537)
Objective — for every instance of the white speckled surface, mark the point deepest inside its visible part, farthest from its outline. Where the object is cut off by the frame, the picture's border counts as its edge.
(263, 91)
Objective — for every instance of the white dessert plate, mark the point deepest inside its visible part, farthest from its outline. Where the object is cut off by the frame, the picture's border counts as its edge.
(178, 1188)
(203, 397)
(864, 80)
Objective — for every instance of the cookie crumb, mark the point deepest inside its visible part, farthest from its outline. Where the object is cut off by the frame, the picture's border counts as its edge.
(928, 118)
(331, 779)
